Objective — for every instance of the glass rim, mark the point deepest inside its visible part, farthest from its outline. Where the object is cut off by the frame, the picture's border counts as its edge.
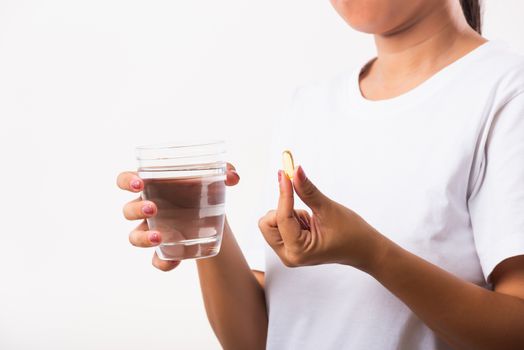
(194, 151)
(179, 144)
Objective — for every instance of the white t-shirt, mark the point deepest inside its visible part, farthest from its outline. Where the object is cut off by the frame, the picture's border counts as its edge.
(439, 170)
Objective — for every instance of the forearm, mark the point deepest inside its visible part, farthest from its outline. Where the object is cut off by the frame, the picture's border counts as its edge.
(461, 313)
(233, 298)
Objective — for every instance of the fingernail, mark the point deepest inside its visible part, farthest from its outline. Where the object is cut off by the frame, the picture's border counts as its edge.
(136, 184)
(279, 175)
(301, 174)
(154, 237)
(235, 173)
(148, 209)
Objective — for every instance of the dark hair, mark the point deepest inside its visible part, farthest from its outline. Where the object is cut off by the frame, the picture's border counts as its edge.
(473, 14)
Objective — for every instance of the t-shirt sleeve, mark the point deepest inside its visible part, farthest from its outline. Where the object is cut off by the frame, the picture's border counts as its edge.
(497, 206)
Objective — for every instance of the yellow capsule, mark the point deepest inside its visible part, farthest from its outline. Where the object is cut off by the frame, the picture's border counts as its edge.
(287, 163)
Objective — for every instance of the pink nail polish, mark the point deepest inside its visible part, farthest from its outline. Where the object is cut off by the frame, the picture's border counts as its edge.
(148, 209)
(136, 184)
(154, 237)
(279, 175)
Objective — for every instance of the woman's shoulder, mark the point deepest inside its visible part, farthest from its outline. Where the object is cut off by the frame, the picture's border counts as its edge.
(504, 65)
(502, 52)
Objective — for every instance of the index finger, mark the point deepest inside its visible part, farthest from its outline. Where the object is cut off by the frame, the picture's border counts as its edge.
(129, 181)
(286, 219)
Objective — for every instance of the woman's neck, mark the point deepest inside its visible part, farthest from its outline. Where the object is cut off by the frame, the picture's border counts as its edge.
(409, 55)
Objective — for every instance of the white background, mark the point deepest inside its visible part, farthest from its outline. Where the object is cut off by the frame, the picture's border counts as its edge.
(82, 83)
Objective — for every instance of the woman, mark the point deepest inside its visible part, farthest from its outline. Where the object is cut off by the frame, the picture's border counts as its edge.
(417, 238)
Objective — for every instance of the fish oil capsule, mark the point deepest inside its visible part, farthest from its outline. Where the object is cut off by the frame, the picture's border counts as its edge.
(288, 164)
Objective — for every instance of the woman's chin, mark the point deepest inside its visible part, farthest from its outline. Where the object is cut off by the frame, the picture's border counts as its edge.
(369, 27)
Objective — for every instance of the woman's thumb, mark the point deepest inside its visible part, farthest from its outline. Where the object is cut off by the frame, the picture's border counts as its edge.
(308, 193)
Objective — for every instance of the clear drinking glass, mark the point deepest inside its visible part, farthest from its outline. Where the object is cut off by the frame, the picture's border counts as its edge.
(186, 182)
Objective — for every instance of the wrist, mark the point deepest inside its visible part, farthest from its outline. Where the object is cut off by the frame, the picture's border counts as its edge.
(379, 255)
(377, 251)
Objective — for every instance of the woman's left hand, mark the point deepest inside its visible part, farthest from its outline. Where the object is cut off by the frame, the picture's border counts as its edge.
(332, 234)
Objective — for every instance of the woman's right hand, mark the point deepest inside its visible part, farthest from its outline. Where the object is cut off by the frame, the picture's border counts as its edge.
(139, 209)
